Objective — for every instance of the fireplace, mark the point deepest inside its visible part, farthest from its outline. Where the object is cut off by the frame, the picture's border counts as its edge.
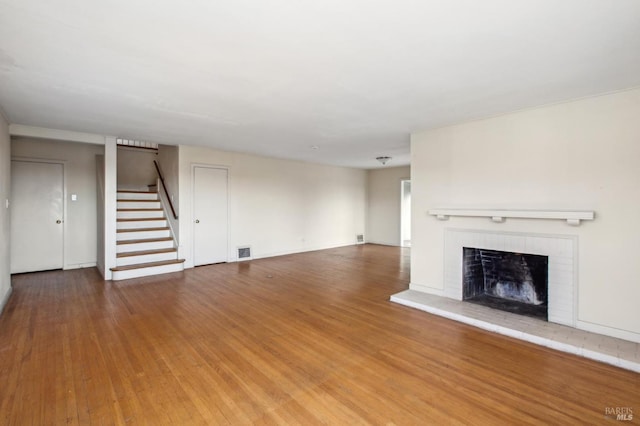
(559, 250)
(512, 282)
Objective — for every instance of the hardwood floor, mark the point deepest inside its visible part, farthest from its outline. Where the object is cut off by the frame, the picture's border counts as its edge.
(300, 339)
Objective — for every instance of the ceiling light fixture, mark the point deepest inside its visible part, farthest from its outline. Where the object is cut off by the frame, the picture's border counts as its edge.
(383, 160)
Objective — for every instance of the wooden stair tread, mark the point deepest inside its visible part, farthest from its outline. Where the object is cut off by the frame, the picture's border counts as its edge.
(164, 228)
(145, 252)
(140, 219)
(126, 200)
(145, 240)
(124, 191)
(147, 265)
(139, 210)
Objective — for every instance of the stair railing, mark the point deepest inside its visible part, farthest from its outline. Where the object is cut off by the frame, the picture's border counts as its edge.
(166, 192)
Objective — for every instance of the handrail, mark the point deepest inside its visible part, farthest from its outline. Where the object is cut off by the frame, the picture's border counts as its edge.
(173, 210)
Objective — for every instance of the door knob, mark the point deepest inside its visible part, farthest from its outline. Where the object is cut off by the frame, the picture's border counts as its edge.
(197, 220)
(58, 221)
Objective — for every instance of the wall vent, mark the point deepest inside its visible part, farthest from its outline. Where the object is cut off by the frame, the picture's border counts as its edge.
(360, 239)
(244, 253)
(136, 144)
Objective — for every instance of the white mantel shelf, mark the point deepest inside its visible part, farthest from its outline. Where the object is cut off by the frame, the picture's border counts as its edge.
(572, 217)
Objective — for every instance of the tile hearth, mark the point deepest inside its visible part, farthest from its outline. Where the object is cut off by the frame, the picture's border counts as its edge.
(617, 352)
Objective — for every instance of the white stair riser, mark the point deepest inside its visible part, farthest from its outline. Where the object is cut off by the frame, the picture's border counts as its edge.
(138, 205)
(137, 196)
(144, 272)
(146, 258)
(128, 248)
(140, 214)
(142, 224)
(141, 235)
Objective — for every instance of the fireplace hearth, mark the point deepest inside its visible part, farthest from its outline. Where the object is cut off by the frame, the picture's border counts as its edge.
(512, 282)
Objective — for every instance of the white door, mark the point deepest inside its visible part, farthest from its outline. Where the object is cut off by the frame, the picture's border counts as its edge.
(36, 216)
(210, 215)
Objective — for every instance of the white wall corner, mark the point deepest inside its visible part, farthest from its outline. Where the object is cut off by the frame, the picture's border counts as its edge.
(110, 204)
(5, 116)
(5, 299)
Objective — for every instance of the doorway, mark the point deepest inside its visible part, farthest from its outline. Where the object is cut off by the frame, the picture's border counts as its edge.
(37, 216)
(405, 213)
(210, 215)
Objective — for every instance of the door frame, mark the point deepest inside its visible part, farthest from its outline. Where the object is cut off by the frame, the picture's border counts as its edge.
(63, 163)
(193, 205)
(403, 223)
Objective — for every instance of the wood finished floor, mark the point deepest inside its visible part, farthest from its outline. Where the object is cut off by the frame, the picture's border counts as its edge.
(301, 339)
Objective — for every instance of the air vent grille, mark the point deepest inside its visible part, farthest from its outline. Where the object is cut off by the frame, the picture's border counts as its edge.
(360, 238)
(244, 253)
(136, 144)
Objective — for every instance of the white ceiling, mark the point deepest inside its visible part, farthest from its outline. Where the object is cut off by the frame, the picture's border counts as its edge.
(352, 77)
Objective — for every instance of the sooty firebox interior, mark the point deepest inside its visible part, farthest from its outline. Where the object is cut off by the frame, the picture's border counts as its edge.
(512, 282)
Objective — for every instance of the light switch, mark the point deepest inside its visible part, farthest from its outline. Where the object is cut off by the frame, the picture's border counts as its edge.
(74, 197)
(6, 203)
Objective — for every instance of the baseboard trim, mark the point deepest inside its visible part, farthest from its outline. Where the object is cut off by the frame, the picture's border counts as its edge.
(608, 331)
(189, 264)
(81, 265)
(304, 250)
(383, 243)
(426, 289)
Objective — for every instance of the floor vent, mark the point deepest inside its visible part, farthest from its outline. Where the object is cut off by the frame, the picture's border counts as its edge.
(244, 253)
(360, 238)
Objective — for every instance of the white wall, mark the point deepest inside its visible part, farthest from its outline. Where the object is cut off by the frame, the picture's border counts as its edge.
(80, 232)
(383, 206)
(168, 158)
(405, 211)
(135, 168)
(100, 210)
(110, 204)
(278, 206)
(582, 155)
(5, 188)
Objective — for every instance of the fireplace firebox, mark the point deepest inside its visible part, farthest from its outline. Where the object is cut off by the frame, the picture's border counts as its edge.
(512, 282)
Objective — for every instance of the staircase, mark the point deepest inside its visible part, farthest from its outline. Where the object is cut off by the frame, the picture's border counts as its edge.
(144, 242)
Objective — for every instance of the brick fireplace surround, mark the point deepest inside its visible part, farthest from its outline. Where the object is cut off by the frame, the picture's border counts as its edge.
(560, 250)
